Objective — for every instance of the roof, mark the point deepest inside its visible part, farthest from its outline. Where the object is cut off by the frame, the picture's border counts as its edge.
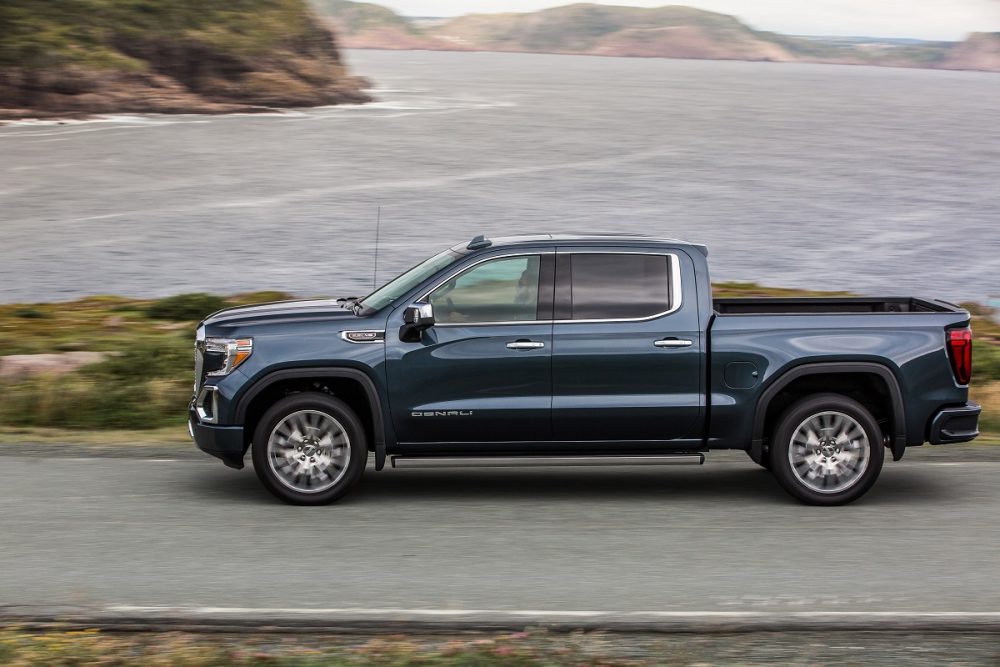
(605, 239)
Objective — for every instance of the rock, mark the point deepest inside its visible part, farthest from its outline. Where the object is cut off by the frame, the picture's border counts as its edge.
(19, 366)
(114, 322)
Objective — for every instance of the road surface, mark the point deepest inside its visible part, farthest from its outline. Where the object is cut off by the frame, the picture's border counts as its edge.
(155, 536)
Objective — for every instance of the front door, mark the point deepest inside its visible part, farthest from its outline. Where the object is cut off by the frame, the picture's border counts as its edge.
(482, 373)
(627, 351)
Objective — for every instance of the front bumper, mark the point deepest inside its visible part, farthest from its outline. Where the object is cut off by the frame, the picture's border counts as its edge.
(222, 442)
(958, 424)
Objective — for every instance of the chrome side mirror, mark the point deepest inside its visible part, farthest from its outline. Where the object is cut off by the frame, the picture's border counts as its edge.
(416, 319)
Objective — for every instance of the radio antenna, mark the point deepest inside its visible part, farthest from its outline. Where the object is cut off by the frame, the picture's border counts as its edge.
(378, 224)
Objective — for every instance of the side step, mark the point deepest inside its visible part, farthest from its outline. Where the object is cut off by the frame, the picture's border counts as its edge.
(540, 461)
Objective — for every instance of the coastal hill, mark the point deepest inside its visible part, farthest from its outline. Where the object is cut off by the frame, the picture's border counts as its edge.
(672, 32)
(665, 32)
(78, 57)
(980, 51)
(363, 25)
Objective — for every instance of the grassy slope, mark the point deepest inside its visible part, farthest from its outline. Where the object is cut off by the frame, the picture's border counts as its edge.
(147, 380)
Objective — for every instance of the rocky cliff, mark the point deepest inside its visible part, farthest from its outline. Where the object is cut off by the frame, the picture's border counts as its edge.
(78, 57)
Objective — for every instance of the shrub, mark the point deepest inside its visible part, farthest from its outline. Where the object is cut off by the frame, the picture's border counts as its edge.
(985, 361)
(30, 313)
(186, 307)
(988, 395)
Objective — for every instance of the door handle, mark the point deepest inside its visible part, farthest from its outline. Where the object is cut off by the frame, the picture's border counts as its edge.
(525, 345)
(673, 342)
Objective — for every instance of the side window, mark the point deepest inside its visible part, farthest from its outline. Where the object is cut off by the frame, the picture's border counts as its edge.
(618, 286)
(499, 290)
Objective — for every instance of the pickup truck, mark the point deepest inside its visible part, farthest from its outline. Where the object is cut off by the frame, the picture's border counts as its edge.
(596, 350)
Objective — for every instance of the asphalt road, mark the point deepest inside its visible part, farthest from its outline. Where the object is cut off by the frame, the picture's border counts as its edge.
(151, 534)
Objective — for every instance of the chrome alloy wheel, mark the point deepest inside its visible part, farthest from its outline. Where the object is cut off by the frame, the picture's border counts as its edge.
(308, 451)
(829, 452)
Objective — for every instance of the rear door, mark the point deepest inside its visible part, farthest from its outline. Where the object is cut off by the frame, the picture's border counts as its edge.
(627, 349)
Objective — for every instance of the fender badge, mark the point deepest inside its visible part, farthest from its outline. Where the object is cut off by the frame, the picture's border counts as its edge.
(363, 336)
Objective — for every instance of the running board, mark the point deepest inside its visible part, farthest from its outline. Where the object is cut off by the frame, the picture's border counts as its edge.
(539, 461)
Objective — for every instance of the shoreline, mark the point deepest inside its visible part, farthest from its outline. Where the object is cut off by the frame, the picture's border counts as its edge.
(58, 118)
(769, 61)
(10, 116)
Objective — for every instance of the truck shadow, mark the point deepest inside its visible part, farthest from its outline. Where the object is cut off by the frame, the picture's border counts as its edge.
(742, 483)
(739, 483)
(574, 484)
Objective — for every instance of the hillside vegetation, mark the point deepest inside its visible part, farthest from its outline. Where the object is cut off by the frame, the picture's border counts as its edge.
(666, 32)
(93, 56)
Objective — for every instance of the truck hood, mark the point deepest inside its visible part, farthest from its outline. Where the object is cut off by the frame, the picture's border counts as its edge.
(279, 311)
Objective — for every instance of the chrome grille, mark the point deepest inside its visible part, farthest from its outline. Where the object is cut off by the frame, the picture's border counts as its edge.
(199, 364)
(199, 359)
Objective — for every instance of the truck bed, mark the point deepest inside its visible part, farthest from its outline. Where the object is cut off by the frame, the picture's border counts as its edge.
(829, 305)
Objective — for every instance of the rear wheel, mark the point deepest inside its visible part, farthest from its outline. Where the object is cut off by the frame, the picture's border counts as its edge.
(827, 450)
(309, 449)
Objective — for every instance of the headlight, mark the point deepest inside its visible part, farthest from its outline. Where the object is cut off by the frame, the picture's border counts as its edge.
(224, 355)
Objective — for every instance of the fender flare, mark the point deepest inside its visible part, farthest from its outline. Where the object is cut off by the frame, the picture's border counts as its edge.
(898, 444)
(367, 384)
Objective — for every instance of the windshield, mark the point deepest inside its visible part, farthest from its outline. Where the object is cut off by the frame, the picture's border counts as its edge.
(403, 283)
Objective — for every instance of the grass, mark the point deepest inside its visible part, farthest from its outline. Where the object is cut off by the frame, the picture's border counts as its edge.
(144, 382)
(114, 438)
(90, 647)
(139, 392)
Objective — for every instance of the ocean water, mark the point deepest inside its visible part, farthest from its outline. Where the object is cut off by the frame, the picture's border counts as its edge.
(881, 181)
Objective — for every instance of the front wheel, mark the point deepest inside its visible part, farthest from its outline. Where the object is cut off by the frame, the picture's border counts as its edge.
(827, 450)
(309, 449)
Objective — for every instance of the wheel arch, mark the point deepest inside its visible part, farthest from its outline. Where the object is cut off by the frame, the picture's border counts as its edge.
(770, 400)
(350, 384)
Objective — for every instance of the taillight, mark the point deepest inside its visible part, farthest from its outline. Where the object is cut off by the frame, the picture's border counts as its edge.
(960, 353)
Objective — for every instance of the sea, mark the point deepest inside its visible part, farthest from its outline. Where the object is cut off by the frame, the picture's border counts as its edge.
(878, 181)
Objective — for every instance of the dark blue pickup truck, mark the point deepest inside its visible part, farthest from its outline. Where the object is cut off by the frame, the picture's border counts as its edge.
(578, 350)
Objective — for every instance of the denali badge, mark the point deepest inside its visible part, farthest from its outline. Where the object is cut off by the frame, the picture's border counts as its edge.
(442, 413)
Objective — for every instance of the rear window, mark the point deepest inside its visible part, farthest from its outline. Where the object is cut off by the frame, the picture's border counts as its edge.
(619, 286)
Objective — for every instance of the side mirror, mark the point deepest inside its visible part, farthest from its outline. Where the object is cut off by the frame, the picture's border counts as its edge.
(416, 319)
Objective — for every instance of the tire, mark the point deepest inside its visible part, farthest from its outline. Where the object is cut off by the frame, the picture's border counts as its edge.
(309, 449)
(827, 449)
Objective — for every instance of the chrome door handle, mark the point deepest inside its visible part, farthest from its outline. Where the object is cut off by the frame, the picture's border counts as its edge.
(525, 345)
(673, 342)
